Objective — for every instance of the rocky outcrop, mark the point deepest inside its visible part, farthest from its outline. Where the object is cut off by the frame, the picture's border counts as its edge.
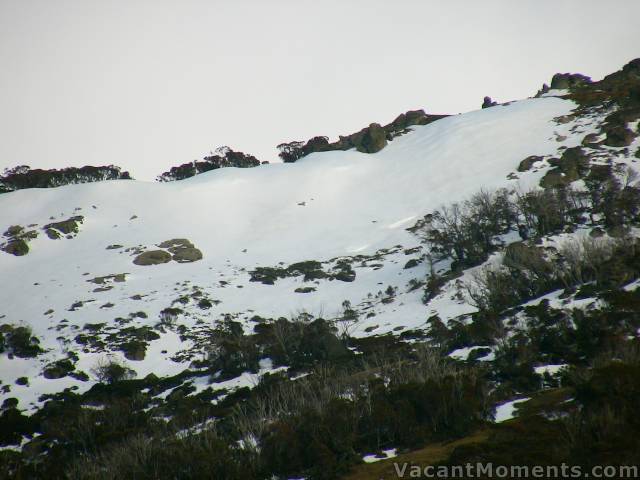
(371, 139)
(17, 240)
(182, 250)
(69, 227)
(179, 250)
(565, 81)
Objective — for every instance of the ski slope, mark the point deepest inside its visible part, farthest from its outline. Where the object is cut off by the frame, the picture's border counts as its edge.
(325, 206)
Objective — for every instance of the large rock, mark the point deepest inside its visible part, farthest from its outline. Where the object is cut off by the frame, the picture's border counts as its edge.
(571, 166)
(564, 81)
(183, 250)
(619, 136)
(373, 140)
(187, 255)
(528, 162)
(152, 257)
(487, 102)
(66, 227)
(16, 246)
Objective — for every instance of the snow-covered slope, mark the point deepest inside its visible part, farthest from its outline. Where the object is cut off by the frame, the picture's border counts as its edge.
(324, 207)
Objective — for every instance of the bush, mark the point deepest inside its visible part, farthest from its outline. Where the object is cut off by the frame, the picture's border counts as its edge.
(24, 177)
(110, 370)
(224, 157)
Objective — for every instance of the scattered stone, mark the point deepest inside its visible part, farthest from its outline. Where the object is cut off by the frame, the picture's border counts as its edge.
(118, 277)
(305, 289)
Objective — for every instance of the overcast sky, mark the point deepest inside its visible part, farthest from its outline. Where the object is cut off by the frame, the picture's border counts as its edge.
(147, 84)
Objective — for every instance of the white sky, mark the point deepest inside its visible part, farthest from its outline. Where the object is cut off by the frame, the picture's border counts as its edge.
(147, 84)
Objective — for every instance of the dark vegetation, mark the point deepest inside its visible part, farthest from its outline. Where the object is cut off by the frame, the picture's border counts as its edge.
(223, 157)
(389, 394)
(22, 176)
(310, 270)
(19, 341)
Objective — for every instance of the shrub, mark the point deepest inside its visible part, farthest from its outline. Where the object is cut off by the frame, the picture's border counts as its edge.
(110, 370)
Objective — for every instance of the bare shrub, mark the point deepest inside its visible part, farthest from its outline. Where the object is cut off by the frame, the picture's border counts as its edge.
(110, 370)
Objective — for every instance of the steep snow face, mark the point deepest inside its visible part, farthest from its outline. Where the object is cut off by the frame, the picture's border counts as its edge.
(327, 205)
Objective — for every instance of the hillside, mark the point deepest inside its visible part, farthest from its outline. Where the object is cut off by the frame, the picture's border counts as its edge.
(170, 298)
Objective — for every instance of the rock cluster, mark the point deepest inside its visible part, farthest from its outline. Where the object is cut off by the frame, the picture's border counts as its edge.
(179, 250)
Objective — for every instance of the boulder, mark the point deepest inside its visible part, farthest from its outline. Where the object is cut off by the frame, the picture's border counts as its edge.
(187, 255)
(528, 162)
(152, 257)
(373, 140)
(590, 140)
(488, 103)
(619, 136)
(66, 227)
(16, 246)
(183, 250)
(564, 81)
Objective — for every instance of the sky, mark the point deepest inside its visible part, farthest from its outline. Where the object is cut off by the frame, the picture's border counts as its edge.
(148, 84)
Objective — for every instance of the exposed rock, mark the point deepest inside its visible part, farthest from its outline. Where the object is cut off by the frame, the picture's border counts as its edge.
(66, 227)
(187, 255)
(183, 250)
(305, 289)
(14, 231)
(564, 81)
(373, 140)
(152, 257)
(118, 277)
(564, 119)
(175, 243)
(590, 140)
(412, 263)
(17, 247)
(488, 103)
(17, 240)
(528, 162)
(619, 136)
(571, 166)
(368, 140)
